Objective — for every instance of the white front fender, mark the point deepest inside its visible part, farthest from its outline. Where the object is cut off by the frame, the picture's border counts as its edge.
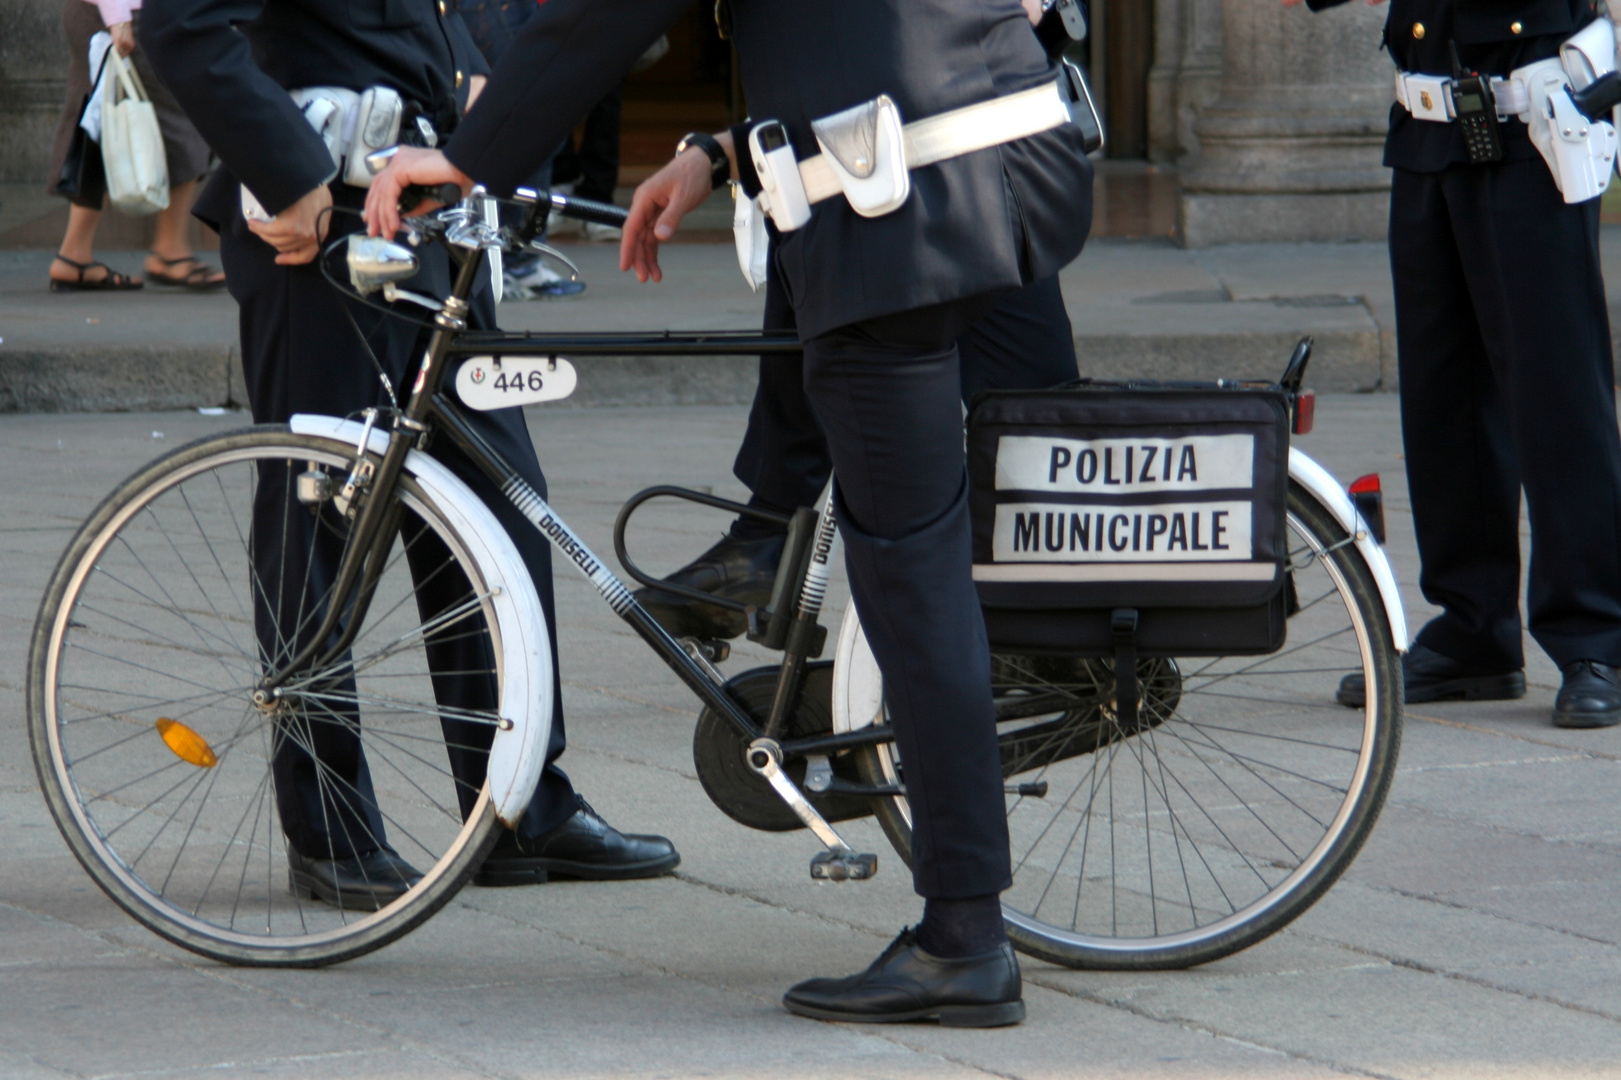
(519, 752)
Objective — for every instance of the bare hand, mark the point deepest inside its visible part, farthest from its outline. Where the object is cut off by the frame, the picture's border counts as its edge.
(658, 206)
(475, 87)
(1032, 9)
(123, 37)
(297, 231)
(409, 165)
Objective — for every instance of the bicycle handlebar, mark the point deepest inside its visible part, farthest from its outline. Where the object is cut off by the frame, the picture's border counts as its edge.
(589, 210)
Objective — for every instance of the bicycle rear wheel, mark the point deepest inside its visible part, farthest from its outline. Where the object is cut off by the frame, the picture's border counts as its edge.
(175, 790)
(1237, 798)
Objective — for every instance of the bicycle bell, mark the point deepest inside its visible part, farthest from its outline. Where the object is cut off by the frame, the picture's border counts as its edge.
(374, 261)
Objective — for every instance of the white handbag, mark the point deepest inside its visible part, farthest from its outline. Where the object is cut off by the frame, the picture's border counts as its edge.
(131, 143)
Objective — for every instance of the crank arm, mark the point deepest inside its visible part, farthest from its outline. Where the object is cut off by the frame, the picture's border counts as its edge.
(839, 862)
(765, 758)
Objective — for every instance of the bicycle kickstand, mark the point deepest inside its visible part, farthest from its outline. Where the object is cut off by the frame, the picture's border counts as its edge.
(839, 862)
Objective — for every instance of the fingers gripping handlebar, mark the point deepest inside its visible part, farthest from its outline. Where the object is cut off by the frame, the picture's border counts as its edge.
(413, 195)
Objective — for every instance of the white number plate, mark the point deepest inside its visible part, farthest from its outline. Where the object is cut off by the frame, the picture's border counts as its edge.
(486, 383)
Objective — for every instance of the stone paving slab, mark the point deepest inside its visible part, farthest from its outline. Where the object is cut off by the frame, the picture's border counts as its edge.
(1477, 935)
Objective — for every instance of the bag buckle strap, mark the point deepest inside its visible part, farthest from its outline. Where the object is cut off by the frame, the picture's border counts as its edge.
(1127, 692)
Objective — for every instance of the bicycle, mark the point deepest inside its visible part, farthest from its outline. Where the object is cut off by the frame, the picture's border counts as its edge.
(156, 706)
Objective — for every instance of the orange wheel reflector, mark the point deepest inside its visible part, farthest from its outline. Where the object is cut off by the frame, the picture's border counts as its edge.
(187, 745)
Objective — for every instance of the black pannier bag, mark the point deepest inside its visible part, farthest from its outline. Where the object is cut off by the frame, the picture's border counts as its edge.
(1131, 519)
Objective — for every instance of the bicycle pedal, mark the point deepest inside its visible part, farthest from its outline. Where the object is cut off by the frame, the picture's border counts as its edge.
(843, 866)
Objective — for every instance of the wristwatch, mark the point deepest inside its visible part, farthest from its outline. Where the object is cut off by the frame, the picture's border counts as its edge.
(720, 169)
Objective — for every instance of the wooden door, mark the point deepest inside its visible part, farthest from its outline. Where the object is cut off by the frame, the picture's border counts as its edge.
(1128, 48)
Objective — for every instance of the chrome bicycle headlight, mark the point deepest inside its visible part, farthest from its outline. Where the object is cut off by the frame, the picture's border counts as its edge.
(375, 261)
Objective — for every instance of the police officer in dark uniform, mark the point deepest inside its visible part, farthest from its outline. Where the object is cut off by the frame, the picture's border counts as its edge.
(880, 303)
(231, 64)
(1507, 379)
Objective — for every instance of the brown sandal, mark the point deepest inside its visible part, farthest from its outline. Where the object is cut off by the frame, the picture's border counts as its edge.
(200, 278)
(113, 282)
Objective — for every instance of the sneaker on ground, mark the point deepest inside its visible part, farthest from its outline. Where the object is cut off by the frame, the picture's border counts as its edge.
(594, 231)
(542, 283)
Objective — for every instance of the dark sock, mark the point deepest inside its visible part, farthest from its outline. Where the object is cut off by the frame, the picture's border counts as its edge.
(748, 528)
(957, 928)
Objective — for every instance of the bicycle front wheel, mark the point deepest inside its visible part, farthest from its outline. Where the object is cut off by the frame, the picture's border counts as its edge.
(1237, 798)
(179, 794)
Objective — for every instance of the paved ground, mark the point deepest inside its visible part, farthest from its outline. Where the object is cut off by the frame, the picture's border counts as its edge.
(1479, 934)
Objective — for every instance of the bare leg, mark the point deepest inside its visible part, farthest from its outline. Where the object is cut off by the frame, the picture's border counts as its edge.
(171, 250)
(78, 244)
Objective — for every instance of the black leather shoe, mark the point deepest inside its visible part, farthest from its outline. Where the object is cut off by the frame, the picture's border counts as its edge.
(741, 570)
(368, 883)
(1429, 676)
(584, 847)
(1590, 696)
(906, 983)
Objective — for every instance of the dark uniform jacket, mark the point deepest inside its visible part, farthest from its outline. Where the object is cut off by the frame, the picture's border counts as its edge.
(1493, 37)
(990, 220)
(230, 64)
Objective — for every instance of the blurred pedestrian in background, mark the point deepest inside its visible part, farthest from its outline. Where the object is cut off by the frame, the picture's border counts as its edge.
(591, 169)
(171, 260)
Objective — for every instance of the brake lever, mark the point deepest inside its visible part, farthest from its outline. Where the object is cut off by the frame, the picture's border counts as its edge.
(547, 249)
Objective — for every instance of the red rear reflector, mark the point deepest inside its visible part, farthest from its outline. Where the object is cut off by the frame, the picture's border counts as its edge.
(1305, 411)
(1363, 484)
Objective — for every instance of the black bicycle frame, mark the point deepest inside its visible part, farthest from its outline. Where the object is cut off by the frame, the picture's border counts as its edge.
(378, 518)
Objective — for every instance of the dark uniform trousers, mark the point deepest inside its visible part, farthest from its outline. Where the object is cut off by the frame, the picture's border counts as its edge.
(889, 391)
(1507, 380)
(1023, 343)
(299, 354)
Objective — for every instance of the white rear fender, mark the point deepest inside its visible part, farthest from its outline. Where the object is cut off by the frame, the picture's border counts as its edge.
(519, 752)
(1327, 490)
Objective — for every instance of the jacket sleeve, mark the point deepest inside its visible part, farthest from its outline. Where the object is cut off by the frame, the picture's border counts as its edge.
(113, 12)
(250, 122)
(567, 58)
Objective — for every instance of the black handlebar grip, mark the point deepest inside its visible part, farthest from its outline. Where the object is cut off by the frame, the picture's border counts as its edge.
(589, 210)
(414, 195)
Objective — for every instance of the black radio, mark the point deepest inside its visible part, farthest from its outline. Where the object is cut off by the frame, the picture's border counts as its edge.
(1476, 110)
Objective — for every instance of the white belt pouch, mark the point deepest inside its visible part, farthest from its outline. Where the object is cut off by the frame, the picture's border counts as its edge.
(352, 124)
(868, 154)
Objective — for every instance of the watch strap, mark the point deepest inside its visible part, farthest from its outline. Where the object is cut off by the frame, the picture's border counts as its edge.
(720, 168)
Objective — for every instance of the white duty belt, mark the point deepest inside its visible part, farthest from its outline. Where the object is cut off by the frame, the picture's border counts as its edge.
(955, 133)
(1429, 97)
(1579, 152)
